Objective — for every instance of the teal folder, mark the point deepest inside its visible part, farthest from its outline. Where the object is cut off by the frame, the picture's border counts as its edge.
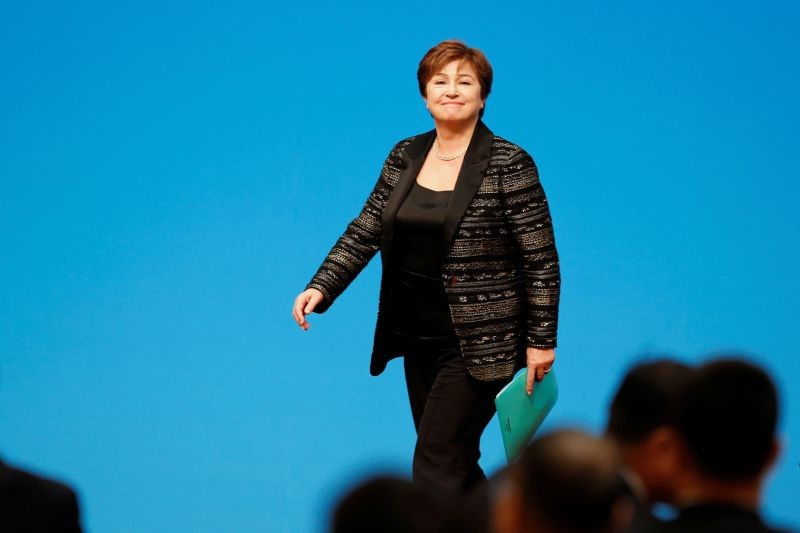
(521, 415)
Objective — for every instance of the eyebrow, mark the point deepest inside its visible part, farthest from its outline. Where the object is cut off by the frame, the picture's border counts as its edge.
(457, 75)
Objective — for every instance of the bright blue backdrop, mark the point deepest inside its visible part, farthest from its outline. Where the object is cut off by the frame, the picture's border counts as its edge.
(173, 172)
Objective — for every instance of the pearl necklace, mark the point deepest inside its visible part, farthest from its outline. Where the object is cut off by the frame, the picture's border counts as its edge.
(444, 157)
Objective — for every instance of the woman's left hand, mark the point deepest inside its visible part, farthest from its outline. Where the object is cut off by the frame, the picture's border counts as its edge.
(539, 362)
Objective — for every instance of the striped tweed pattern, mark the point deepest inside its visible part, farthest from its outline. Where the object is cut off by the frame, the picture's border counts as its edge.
(362, 238)
(501, 271)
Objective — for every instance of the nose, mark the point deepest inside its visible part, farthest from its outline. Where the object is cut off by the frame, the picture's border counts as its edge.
(452, 89)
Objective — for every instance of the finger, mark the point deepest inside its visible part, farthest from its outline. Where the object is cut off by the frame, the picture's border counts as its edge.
(310, 306)
(529, 382)
(297, 311)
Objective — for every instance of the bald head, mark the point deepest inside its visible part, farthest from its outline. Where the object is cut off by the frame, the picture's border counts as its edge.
(569, 481)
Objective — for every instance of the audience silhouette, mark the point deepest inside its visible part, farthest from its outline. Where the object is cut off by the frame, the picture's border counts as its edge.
(32, 504)
(566, 481)
(641, 422)
(727, 443)
(700, 439)
(393, 505)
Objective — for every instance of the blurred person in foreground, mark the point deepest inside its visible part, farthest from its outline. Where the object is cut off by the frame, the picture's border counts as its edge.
(393, 505)
(30, 503)
(641, 422)
(727, 444)
(34, 504)
(564, 482)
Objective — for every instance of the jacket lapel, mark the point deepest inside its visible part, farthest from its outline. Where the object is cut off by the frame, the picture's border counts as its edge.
(469, 180)
(413, 158)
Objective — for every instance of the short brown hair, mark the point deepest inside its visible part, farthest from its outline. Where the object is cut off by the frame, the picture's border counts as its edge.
(455, 50)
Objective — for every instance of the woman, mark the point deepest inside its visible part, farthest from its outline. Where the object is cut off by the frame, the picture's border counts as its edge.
(470, 285)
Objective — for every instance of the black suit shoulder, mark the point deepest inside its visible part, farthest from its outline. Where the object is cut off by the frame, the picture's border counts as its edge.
(714, 518)
(29, 502)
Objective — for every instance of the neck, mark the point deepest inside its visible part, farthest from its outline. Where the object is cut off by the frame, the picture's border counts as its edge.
(744, 494)
(454, 137)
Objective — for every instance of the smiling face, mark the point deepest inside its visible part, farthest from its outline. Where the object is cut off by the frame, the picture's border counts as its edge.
(453, 94)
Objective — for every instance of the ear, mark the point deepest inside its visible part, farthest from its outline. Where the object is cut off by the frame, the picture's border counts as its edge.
(507, 511)
(774, 453)
(663, 439)
(683, 457)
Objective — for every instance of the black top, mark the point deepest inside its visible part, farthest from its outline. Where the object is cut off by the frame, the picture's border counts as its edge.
(417, 299)
(418, 231)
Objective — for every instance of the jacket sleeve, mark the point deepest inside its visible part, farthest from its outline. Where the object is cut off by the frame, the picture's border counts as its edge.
(528, 216)
(360, 240)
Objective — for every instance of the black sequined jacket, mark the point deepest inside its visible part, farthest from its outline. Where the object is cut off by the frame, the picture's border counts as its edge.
(501, 271)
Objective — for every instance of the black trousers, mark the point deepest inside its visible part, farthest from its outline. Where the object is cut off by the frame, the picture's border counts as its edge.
(450, 409)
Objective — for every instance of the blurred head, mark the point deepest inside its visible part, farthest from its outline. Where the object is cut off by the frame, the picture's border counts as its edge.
(565, 481)
(390, 505)
(727, 422)
(454, 80)
(641, 423)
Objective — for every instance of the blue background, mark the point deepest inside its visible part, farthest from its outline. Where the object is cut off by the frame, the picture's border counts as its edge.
(174, 172)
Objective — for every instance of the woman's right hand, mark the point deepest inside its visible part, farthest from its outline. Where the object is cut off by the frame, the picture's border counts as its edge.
(304, 304)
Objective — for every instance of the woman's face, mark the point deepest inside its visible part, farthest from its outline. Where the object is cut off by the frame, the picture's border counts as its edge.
(454, 93)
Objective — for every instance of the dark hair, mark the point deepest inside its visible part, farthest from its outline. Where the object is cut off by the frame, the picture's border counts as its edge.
(453, 50)
(392, 505)
(572, 480)
(647, 398)
(727, 418)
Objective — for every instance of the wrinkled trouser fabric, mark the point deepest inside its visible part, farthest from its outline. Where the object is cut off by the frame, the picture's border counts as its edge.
(450, 410)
